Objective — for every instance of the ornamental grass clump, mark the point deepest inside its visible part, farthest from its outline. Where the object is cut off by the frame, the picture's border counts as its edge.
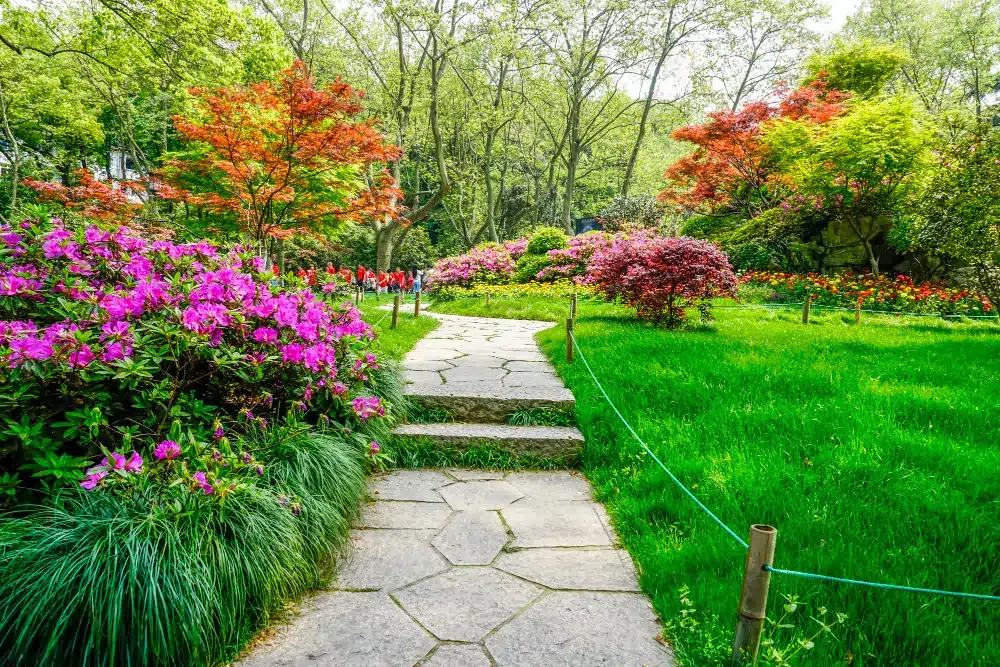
(661, 276)
(180, 561)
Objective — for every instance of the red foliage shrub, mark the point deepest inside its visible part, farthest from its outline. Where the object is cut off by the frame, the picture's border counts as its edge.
(661, 276)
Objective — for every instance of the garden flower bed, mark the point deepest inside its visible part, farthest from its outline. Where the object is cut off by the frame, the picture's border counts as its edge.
(874, 292)
(186, 442)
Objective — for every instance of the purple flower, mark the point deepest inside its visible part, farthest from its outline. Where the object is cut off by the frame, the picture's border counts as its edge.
(373, 448)
(218, 433)
(93, 478)
(202, 483)
(134, 463)
(260, 470)
(167, 449)
(366, 407)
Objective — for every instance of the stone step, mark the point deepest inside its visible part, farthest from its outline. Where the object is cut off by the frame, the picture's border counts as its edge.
(543, 441)
(487, 402)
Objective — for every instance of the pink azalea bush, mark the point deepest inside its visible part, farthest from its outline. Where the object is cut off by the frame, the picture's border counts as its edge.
(661, 276)
(490, 263)
(573, 261)
(105, 336)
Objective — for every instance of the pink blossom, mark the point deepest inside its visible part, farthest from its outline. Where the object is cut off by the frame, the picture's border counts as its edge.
(167, 449)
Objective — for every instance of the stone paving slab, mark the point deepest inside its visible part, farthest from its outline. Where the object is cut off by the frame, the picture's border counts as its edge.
(461, 588)
(494, 368)
(552, 442)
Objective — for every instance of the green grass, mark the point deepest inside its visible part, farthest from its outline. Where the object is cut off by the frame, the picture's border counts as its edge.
(423, 453)
(873, 449)
(395, 343)
(553, 310)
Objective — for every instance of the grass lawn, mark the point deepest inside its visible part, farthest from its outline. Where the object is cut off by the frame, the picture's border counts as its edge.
(395, 343)
(873, 450)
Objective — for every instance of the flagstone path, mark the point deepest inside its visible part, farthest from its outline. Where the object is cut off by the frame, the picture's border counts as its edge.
(472, 568)
(475, 568)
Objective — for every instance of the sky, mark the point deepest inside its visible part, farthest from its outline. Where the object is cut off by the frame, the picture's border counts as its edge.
(839, 11)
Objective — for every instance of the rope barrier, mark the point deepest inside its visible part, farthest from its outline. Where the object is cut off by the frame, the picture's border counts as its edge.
(635, 435)
(741, 541)
(382, 319)
(874, 584)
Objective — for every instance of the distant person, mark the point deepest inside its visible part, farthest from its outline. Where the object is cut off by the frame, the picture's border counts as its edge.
(361, 275)
(418, 282)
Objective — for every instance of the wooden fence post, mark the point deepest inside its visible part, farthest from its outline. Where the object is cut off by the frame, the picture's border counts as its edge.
(752, 609)
(487, 298)
(357, 295)
(572, 306)
(569, 340)
(857, 313)
(805, 309)
(416, 306)
(395, 311)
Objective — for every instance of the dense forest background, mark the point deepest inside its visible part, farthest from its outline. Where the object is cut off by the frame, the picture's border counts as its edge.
(511, 115)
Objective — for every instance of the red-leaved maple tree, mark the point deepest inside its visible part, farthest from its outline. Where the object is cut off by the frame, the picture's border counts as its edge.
(282, 158)
(660, 276)
(92, 198)
(730, 169)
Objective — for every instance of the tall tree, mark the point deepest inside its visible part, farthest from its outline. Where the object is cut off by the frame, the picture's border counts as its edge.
(282, 158)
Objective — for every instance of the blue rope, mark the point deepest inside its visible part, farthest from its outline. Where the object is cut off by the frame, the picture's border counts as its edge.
(872, 584)
(631, 430)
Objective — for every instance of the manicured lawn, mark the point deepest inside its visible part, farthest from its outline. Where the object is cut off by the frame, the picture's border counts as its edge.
(873, 450)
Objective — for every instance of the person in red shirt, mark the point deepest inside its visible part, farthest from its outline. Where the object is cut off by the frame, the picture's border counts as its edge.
(383, 282)
(345, 275)
(362, 273)
(409, 282)
(400, 279)
(311, 273)
(330, 270)
(301, 273)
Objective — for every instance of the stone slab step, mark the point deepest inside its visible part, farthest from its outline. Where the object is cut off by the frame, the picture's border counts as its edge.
(486, 402)
(542, 441)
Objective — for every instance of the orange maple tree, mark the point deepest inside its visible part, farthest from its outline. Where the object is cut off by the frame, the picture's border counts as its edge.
(730, 168)
(92, 198)
(282, 158)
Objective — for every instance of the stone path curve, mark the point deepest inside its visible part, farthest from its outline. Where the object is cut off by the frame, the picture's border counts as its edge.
(472, 568)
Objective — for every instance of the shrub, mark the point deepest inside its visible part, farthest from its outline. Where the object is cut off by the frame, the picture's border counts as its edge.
(661, 276)
(529, 266)
(106, 337)
(573, 261)
(154, 570)
(560, 289)
(628, 212)
(490, 264)
(545, 239)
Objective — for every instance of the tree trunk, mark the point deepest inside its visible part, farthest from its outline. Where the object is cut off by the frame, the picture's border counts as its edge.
(630, 168)
(15, 154)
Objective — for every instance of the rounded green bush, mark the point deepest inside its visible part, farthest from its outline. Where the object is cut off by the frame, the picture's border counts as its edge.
(529, 266)
(545, 239)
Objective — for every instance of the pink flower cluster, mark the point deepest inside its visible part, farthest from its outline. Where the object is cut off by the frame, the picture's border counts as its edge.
(366, 407)
(119, 280)
(488, 263)
(573, 260)
(118, 463)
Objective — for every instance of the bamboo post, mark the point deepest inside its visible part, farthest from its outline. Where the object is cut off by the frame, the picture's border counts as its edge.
(572, 306)
(752, 609)
(395, 311)
(805, 309)
(357, 295)
(857, 313)
(569, 340)
(416, 306)
(487, 298)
